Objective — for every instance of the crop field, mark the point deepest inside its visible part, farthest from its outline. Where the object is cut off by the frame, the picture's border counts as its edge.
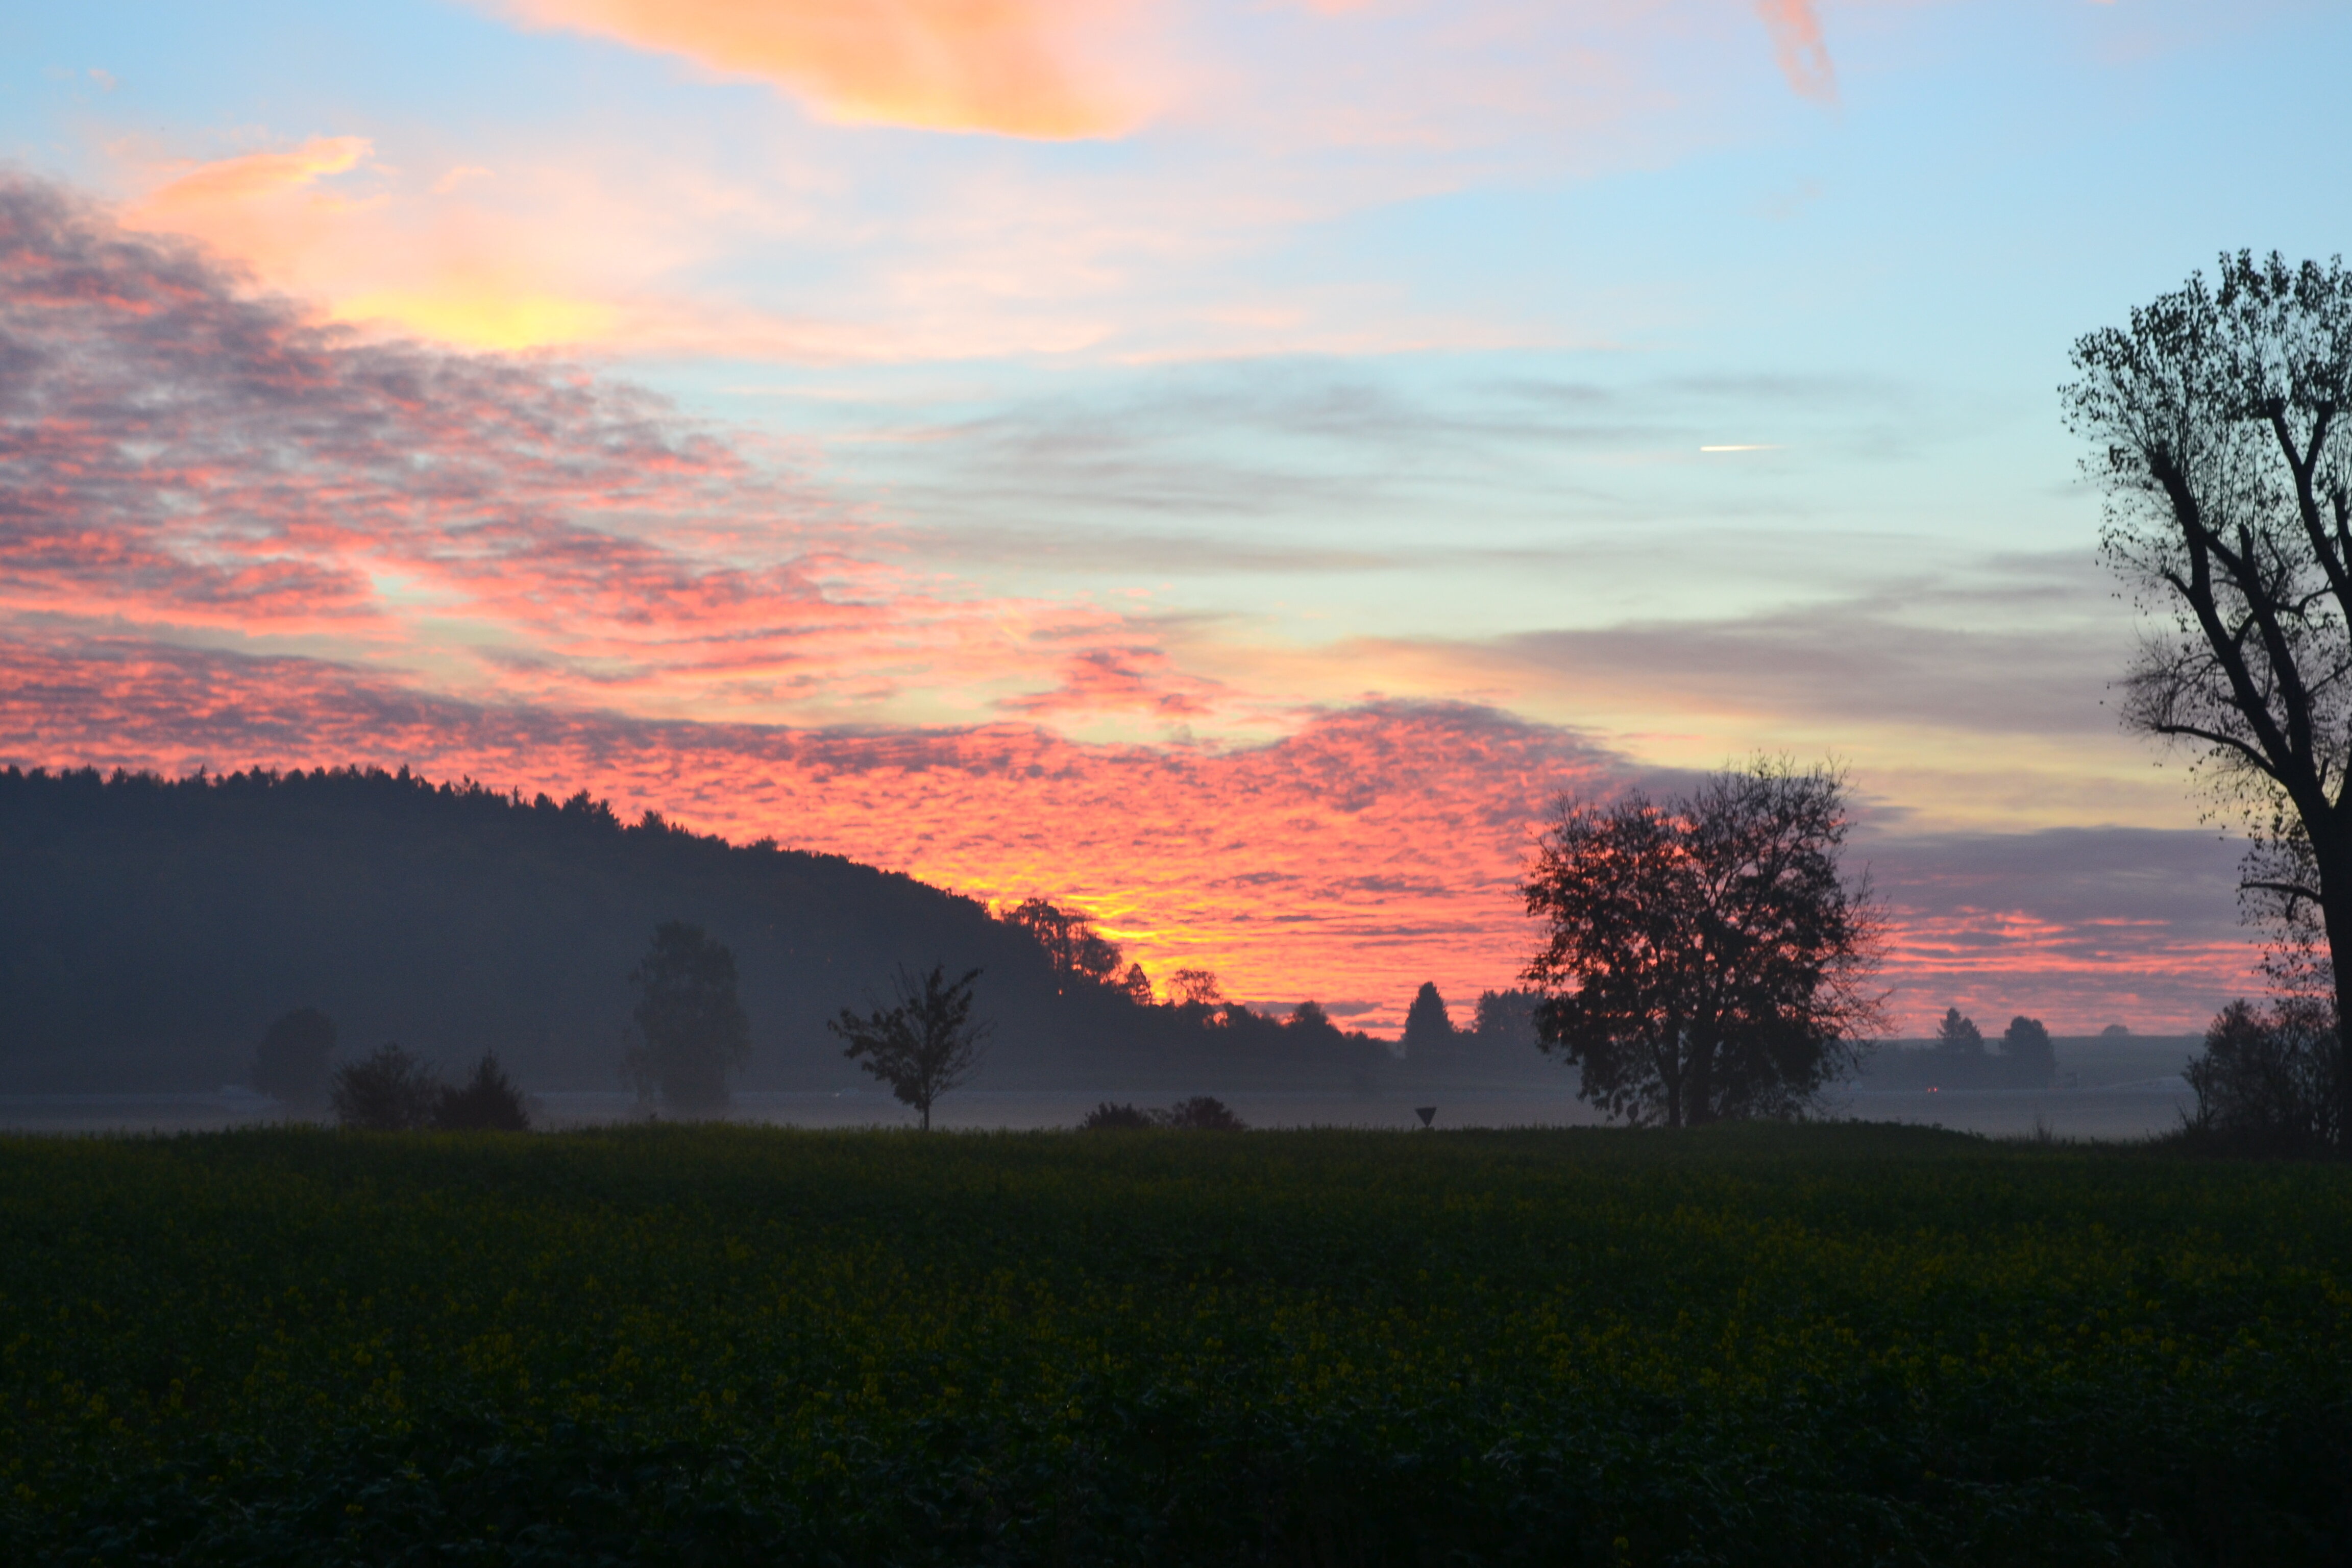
(1810, 1345)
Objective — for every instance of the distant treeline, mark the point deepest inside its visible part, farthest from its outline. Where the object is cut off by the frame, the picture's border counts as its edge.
(154, 927)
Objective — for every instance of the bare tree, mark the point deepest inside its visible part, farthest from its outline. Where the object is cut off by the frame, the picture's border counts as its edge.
(923, 1045)
(2218, 423)
(1705, 959)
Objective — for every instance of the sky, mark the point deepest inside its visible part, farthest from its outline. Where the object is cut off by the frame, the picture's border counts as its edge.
(1224, 466)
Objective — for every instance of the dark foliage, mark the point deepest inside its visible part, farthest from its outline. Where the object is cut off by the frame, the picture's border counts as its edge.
(691, 1031)
(1075, 949)
(2221, 423)
(293, 1063)
(154, 927)
(1704, 959)
(925, 1043)
(390, 1091)
(1201, 1113)
(487, 1102)
(2265, 1081)
(1959, 1037)
(2026, 1051)
(722, 1346)
(1428, 1027)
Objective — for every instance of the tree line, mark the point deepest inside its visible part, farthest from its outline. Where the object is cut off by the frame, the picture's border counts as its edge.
(156, 927)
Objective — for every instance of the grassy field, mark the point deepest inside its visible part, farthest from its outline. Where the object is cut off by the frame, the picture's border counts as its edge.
(1809, 1345)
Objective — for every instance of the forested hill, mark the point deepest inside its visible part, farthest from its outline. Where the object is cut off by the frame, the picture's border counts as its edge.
(150, 929)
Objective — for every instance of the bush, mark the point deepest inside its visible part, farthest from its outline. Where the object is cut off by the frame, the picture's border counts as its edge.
(2266, 1082)
(389, 1093)
(487, 1102)
(1200, 1113)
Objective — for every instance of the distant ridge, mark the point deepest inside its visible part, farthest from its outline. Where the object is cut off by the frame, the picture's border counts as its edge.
(151, 927)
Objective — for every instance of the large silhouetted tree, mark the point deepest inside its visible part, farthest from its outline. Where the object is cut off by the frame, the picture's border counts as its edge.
(1956, 1035)
(1703, 957)
(1070, 942)
(291, 1064)
(2217, 419)
(691, 1029)
(2025, 1048)
(925, 1043)
(1428, 1027)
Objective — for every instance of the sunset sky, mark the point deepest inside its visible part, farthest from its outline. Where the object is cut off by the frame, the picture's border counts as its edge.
(1224, 466)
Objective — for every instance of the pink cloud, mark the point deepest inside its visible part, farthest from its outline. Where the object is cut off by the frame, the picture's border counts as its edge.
(230, 536)
(1376, 847)
(185, 457)
(1798, 44)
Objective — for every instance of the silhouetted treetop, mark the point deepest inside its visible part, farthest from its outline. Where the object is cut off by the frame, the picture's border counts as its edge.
(1957, 1036)
(1427, 1025)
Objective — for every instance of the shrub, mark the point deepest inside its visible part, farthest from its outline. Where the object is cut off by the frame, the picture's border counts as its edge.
(2266, 1082)
(389, 1093)
(1201, 1114)
(487, 1102)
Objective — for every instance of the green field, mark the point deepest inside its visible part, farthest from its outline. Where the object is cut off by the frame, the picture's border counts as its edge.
(1767, 1344)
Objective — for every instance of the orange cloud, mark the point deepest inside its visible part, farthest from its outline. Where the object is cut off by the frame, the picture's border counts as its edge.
(207, 187)
(1373, 849)
(1797, 44)
(522, 573)
(1018, 67)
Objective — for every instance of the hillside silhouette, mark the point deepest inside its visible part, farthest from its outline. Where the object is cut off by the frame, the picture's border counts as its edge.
(154, 927)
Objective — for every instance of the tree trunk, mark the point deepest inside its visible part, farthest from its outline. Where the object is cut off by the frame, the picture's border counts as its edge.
(2336, 911)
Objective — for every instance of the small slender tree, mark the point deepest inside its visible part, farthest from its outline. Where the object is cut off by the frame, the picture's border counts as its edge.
(691, 1030)
(924, 1043)
(1704, 958)
(291, 1063)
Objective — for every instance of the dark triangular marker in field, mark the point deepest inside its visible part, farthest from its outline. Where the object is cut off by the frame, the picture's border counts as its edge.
(1428, 1113)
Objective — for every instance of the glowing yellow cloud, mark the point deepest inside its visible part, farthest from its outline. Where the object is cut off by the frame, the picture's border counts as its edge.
(485, 318)
(1014, 67)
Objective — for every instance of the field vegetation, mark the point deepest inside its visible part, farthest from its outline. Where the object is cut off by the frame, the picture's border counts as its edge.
(1745, 1343)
